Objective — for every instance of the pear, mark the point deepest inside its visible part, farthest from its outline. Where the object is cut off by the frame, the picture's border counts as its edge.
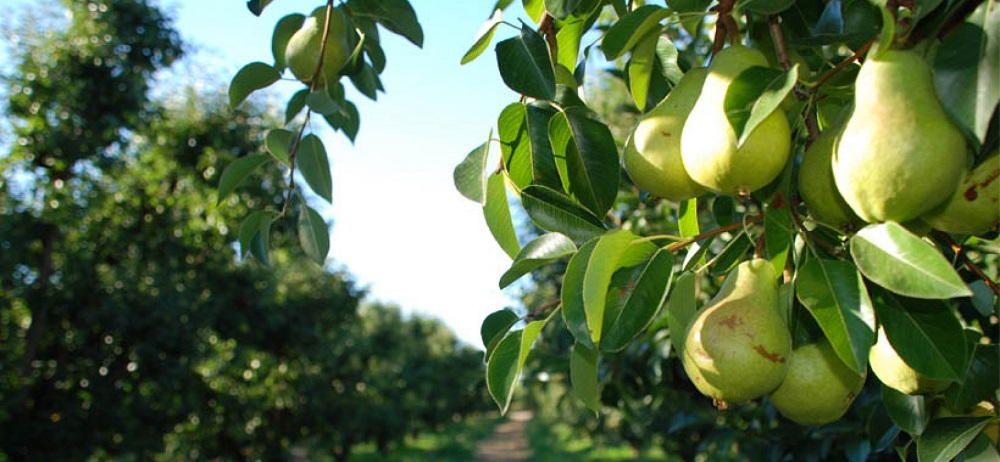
(816, 185)
(737, 348)
(302, 51)
(819, 387)
(975, 206)
(709, 147)
(900, 155)
(892, 371)
(652, 155)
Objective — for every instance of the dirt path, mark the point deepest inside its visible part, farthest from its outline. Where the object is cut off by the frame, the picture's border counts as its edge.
(509, 442)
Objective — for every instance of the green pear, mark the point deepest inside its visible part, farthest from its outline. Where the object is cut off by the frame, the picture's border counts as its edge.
(900, 155)
(892, 371)
(819, 387)
(975, 206)
(709, 146)
(816, 185)
(736, 349)
(652, 155)
(302, 51)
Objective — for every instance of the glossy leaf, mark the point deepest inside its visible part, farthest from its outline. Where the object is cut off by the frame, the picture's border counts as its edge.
(278, 142)
(283, 31)
(525, 65)
(314, 235)
(925, 333)
(945, 438)
(495, 328)
(507, 361)
(681, 309)
(778, 234)
(254, 235)
(583, 375)
(643, 302)
(314, 165)
(395, 15)
(909, 412)
(236, 172)
(631, 28)
(524, 144)
(754, 95)
(571, 296)
(541, 251)
(835, 295)
(894, 258)
(470, 181)
(966, 66)
(568, 36)
(496, 210)
(600, 267)
(250, 78)
(585, 149)
(640, 69)
(483, 39)
(554, 211)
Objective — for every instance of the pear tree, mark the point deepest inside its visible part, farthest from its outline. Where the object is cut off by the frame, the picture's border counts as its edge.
(803, 212)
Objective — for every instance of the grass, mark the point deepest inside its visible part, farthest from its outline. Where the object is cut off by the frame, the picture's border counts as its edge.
(554, 441)
(456, 443)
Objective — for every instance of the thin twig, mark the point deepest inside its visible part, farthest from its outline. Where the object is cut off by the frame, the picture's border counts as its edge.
(843, 64)
(715, 232)
(959, 252)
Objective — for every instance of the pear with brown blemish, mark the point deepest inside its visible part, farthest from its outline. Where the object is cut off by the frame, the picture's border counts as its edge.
(737, 348)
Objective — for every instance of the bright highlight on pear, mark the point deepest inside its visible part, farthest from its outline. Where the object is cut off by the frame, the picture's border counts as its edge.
(975, 206)
(900, 155)
(819, 387)
(737, 347)
(652, 155)
(709, 144)
(302, 51)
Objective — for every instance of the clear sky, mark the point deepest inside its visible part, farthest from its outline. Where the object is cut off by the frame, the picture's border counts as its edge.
(399, 226)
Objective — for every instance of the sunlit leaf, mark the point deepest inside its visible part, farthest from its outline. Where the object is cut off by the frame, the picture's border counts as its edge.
(681, 308)
(754, 95)
(590, 156)
(571, 296)
(236, 172)
(484, 38)
(539, 252)
(778, 233)
(469, 177)
(600, 267)
(583, 375)
(314, 165)
(525, 65)
(495, 327)
(554, 211)
(496, 210)
(314, 235)
(561, 9)
(945, 438)
(569, 33)
(631, 28)
(642, 304)
(250, 78)
(640, 69)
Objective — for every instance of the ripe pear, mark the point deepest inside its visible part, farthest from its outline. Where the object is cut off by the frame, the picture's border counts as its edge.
(709, 147)
(302, 51)
(816, 185)
(975, 206)
(819, 387)
(892, 371)
(652, 154)
(737, 348)
(900, 155)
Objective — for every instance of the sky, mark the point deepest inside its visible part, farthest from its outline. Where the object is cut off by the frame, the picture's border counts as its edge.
(399, 226)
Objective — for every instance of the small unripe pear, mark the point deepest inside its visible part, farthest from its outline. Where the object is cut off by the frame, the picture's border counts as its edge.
(737, 347)
(819, 387)
(892, 371)
(652, 155)
(900, 155)
(816, 185)
(975, 206)
(302, 51)
(709, 146)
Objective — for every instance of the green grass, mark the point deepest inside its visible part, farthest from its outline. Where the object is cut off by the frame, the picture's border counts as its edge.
(553, 441)
(456, 443)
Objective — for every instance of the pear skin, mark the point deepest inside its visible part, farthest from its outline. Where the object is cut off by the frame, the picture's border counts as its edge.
(817, 187)
(302, 51)
(900, 155)
(975, 206)
(736, 349)
(819, 387)
(652, 155)
(709, 147)
(894, 373)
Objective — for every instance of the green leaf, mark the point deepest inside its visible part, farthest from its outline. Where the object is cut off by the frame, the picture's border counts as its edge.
(495, 327)
(346, 120)
(506, 362)
(681, 309)
(925, 333)
(571, 293)
(980, 378)
(468, 174)
(583, 375)
(909, 412)
(314, 235)
(946, 437)
(524, 145)
(254, 235)
(600, 267)
(283, 31)
(623, 35)
(586, 150)
(278, 142)
(236, 172)
(496, 210)
(562, 9)
(554, 211)
(525, 65)
(367, 82)
(835, 295)
(640, 69)
(250, 78)
(778, 232)
(257, 6)
(569, 32)
(321, 102)
(483, 40)
(754, 95)
(765, 7)
(395, 15)
(643, 302)
(314, 165)
(295, 104)
(966, 67)
(894, 258)
(534, 9)
(541, 251)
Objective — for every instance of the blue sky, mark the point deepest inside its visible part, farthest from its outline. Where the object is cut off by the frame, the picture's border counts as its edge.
(399, 226)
